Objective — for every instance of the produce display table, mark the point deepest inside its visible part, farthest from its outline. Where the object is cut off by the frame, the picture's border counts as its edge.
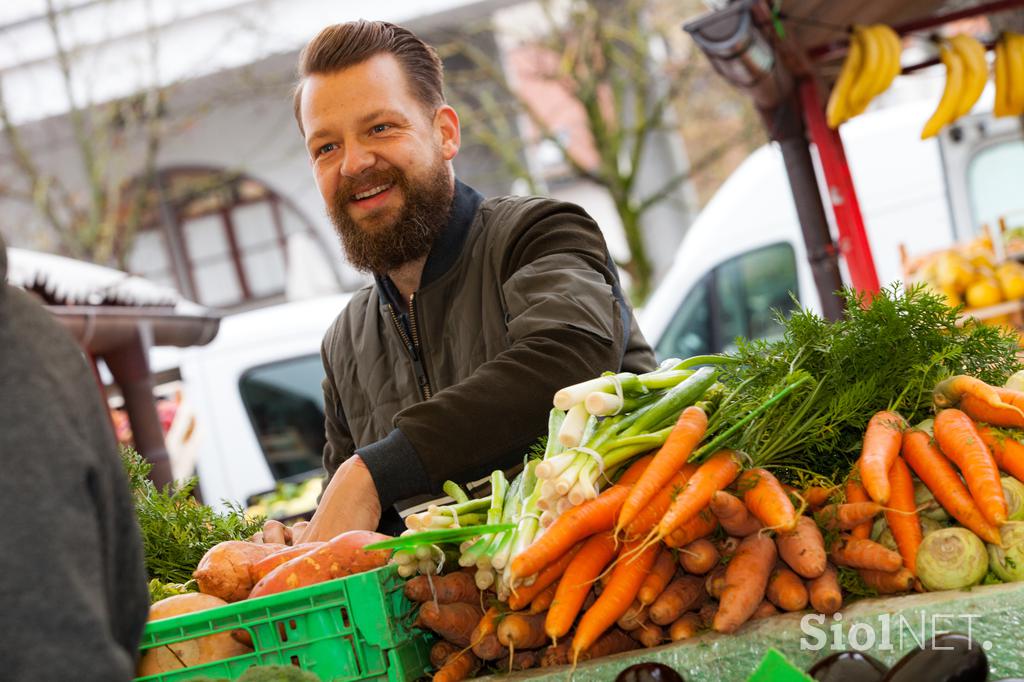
(994, 613)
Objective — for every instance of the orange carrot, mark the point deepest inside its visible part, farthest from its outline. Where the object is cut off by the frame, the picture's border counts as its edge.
(651, 514)
(444, 589)
(939, 476)
(825, 594)
(699, 557)
(542, 602)
(685, 627)
(522, 630)
(681, 441)
(746, 578)
(635, 561)
(582, 521)
(636, 469)
(888, 583)
(1007, 451)
(764, 610)
(901, 516)
(714, 474)
(634, 617)
(1010, 396)
(860, 553)
(714, 583)
(882, 440)
(803, 549)
(952, 391)
(765, 498)
(459, 666)
(996, 415)
(733, 515)
(658, 578)
(682, 594)
(704, 523)
(455, 622)
(960, 441)
(484, 640)
(855, 493)
(576, 583)
(522, 596)
(786, 590)
(440, 651)
(848, 515)
(817, 496)
(650, 635)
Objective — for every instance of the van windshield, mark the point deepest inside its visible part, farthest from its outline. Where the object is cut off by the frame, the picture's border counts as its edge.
(286, 406)
(993, 181)
(737, 298)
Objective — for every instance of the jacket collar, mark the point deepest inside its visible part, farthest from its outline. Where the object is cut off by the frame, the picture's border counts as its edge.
(446, 248)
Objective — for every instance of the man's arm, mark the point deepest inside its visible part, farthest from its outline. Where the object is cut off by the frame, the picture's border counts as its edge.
(564, 325)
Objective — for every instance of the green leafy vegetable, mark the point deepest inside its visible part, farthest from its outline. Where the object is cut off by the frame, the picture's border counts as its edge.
(887, 353)
(177, 529)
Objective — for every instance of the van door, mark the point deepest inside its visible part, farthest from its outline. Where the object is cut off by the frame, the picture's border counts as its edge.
(740, 297)
(983, 158)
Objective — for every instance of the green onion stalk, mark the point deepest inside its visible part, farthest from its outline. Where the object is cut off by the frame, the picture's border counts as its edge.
(597, 441)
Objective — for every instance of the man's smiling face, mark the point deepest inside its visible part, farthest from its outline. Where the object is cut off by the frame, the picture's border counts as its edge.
(381, 161)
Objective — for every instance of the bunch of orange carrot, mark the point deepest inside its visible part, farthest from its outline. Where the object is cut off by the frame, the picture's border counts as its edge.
(677, 547)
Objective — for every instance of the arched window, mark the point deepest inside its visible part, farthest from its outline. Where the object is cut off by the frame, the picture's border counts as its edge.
(219, 237)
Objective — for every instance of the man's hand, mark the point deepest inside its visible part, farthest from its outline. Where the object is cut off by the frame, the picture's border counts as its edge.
(349, 502)
(276, 532)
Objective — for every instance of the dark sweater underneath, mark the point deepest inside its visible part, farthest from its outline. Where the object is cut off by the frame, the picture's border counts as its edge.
(73, 597)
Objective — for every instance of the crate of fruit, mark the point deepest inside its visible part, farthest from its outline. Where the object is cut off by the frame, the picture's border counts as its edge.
(352, 628)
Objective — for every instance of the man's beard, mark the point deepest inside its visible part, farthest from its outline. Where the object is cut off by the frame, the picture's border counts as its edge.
(402, 238)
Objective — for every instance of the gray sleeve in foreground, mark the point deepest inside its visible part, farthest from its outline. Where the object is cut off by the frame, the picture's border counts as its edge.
(396, 468)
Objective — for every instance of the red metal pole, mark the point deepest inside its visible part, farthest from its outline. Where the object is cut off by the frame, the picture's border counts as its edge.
(853, 240)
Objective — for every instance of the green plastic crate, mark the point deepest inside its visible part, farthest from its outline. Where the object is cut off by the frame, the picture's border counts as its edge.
(775, 667)
(354, 628)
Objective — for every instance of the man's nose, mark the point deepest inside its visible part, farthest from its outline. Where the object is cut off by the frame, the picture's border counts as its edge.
(357, 159)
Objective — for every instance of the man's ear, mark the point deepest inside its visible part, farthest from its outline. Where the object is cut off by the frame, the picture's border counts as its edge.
(446, 125)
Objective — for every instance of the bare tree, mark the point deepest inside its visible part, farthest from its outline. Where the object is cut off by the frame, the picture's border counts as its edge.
(619, 67)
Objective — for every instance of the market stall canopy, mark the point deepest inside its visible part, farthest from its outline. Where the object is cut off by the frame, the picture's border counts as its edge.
(104, 308)
(118, 317)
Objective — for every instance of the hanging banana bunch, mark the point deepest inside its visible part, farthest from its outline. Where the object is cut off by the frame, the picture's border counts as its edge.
(1009, 75)
(966, 74)
(871, 65)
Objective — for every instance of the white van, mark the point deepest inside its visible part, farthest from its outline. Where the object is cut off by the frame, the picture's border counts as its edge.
(745, 253)
(252, 412)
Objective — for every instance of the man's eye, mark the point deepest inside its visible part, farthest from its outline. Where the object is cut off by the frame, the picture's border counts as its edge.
(323, 149)
(379, 128)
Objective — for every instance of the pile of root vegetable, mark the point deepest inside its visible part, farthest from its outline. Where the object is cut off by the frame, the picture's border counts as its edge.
(718, 490)
(234, 570)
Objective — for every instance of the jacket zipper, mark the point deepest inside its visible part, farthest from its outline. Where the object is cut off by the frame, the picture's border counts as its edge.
(413, 346)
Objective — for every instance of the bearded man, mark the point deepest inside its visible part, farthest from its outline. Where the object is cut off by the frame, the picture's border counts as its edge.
(480, 309)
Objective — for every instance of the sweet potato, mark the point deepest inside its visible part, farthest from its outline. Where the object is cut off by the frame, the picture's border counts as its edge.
(192, 651)
(268, 564)
(339, 557)
(225, 571)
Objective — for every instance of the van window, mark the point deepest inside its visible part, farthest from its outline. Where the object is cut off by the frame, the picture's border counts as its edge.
(285, 404)
(738, 298)
(993, 184)
(689, 333)
(750, 288)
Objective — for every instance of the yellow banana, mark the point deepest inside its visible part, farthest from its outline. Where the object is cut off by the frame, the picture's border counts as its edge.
(892, 39)
(946, 109)
(881, 77)
(1015, 73)
(1002, 85)
(838, 108)
(864, 84)
(972, 54)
